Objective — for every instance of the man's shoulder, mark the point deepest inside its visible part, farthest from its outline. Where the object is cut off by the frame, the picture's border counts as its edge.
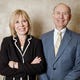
(74, 35)
(47, 34)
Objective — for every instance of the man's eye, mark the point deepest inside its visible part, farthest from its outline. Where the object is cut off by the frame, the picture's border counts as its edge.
(57, 13)
(65, 13)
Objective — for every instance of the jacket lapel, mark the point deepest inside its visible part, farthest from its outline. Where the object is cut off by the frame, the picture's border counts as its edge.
(50, 50)
(65, 41)
(16, 43)
(52, 43)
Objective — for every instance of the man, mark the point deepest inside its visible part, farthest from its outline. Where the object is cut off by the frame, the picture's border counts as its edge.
(63, 64)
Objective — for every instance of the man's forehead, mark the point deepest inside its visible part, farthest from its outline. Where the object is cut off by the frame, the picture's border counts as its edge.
(62, 6)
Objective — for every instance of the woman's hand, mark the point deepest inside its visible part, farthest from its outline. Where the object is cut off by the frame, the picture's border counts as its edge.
(13, 64)
(36, 60)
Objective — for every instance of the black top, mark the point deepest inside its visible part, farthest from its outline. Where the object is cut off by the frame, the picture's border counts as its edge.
(11, 51)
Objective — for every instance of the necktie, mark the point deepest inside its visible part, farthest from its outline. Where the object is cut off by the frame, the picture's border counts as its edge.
(58, 41)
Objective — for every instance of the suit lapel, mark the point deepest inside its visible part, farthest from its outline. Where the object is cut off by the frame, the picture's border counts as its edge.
(50, 50)
(65, 41)
(52, 44)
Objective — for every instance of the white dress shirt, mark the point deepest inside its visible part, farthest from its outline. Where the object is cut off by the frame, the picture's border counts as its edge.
(55, 34)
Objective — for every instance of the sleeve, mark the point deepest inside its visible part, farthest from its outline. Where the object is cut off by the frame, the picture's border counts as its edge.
(5, 70)
(39, 68)
(74, 74)
(43, 77)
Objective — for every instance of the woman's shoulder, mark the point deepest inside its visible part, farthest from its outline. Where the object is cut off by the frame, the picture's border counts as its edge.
(8, 38)
(35, 38)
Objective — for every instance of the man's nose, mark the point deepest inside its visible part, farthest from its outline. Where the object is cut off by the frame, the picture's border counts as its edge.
(61, 16)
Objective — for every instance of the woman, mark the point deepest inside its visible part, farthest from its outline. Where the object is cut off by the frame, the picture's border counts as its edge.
(21, 55)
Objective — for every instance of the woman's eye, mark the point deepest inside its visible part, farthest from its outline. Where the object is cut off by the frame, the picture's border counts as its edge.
(24, 20)
(17, 21)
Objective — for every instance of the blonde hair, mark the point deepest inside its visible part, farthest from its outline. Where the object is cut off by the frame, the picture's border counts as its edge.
(13, 17)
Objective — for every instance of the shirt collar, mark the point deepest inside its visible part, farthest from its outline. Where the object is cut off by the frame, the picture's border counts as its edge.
(63, 30)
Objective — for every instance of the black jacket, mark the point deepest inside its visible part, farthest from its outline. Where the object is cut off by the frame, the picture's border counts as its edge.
(11, 51)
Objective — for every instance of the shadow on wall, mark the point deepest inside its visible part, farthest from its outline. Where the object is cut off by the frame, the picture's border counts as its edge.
(75, 25)
(37, 28)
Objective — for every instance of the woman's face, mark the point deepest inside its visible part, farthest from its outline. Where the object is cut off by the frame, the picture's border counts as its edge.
(21, 26)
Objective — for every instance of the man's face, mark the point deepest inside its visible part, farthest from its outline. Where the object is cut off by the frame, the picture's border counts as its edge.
(61, 16)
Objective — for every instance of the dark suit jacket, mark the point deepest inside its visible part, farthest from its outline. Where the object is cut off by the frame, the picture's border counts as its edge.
(66, 65)
(11, 51)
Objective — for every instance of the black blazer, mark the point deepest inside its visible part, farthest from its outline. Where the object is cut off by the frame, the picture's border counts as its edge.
(11, 51)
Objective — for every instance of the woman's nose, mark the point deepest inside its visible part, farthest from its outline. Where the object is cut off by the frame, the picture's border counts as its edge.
(21, 23)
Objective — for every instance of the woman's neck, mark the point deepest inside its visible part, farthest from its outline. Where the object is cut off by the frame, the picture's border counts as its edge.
(22, 39)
